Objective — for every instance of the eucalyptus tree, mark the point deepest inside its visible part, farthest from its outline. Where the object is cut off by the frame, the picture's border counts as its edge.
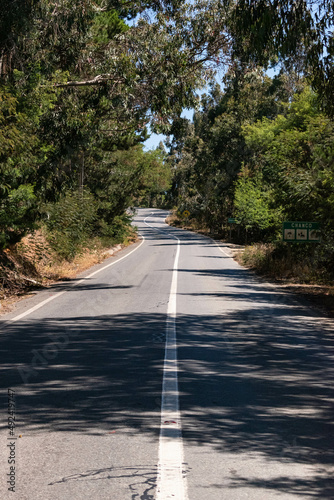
(78, 83)
(298, 34)
(210, 154)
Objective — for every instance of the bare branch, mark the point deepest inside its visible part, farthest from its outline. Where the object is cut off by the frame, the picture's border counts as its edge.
(98, 80)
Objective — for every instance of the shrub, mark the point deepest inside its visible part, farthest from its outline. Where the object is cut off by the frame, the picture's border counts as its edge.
(70, 222)
(117, 231)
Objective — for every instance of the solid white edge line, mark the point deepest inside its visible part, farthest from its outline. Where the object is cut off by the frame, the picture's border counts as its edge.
(171, 481)
(220, 248)
(58, 294)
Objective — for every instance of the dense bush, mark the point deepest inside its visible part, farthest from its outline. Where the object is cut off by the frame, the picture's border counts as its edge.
(73, 223)
(70, 222)
(118, 231)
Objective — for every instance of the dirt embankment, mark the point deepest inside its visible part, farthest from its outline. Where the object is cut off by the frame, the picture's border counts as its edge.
(32, 264)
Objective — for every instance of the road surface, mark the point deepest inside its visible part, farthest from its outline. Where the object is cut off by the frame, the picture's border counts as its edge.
(166, 372)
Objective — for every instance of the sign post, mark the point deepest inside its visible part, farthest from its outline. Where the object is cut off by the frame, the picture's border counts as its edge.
(301, 232)
(231, 220)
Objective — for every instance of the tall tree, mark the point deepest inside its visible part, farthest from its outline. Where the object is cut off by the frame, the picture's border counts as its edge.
(211, 153)
(298, 34)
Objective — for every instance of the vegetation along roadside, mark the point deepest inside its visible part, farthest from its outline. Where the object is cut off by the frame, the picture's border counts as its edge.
(84, 83)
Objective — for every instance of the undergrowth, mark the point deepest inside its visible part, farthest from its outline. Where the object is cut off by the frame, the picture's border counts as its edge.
(302, 263)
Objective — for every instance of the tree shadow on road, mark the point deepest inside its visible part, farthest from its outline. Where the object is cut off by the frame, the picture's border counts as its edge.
(259, 380)
(141, 477)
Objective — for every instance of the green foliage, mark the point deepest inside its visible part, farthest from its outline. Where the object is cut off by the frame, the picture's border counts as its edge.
(55, 137)
(78, 88)
(295, 153)
(70, 222)
(119, 231)
(253, 206)
(262, 152)
(105, 26)
(208, 156)
(74, 221)
(299, 35)
(17, 214)
(155, 178)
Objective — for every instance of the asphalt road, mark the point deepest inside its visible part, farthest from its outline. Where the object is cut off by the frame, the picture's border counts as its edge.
(104, 410)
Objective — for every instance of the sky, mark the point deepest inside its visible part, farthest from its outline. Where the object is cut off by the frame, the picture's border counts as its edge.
(155, 139)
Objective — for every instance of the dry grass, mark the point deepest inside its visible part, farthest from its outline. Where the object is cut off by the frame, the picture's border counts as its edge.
(262, 258)
(34, 249)
(294, 275)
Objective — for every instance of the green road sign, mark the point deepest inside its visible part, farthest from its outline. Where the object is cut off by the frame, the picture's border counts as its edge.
(301, 231)
(231, 221)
